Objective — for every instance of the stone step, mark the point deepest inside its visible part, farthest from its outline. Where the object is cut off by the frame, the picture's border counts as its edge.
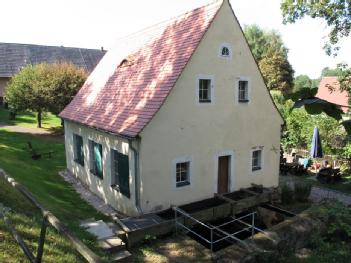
(112, 244)
(122, 256)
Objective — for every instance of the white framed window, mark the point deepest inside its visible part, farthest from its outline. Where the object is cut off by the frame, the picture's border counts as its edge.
(225, 51)
(182, 174)
(96, 159)
(256, 159)
(243, 90)
(205, 85)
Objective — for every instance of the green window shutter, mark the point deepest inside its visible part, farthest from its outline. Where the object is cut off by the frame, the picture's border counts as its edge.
(123, 174)
(80, 151)
(98, 160)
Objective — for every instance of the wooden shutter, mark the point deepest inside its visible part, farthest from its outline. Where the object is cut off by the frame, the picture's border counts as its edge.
(123, 174)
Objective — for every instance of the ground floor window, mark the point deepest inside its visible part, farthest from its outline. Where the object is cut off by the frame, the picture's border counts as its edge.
(256, 160)
(96, 163)
(78, 149)
(182, 174)
(120, 172)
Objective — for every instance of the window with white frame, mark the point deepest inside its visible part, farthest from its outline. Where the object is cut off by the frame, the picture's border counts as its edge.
(256, 160)
(243, 91)
(225, 51)
(96, 162)
(182, 174)
(205, 85)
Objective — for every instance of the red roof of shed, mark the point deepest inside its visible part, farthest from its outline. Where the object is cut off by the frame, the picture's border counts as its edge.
(329, 90)
(133, 79)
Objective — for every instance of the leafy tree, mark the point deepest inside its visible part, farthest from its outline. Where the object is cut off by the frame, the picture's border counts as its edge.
(337, 14)
(44, 87)
(302, 82)
(272, 57)
(330, 72)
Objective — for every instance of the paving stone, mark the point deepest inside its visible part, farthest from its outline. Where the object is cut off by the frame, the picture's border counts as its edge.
(98, 228)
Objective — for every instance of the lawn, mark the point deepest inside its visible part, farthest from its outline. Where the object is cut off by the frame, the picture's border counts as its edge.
(27, 220)
(29, 119)
(42, 179)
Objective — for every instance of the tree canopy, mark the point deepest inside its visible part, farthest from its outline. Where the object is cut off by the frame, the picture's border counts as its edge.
(44, 87)
(336, 13)
(272, 57)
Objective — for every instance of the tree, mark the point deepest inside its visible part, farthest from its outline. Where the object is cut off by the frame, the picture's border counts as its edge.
(44, 87)
(272, 57)
(336, 13)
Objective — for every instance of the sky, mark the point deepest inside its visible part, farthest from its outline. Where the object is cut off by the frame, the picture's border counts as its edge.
(100, 23)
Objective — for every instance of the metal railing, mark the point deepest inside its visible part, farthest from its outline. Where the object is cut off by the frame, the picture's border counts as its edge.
(216, 230)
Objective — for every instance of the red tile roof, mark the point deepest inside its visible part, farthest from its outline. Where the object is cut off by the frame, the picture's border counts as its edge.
(133, 79)
(329, 90)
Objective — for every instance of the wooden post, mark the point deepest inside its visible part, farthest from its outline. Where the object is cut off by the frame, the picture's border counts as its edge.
(18, 238)
(42, 239)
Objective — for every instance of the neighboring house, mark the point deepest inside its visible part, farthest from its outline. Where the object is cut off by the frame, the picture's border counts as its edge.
(329, 90)
(174, 114)
(13, 57)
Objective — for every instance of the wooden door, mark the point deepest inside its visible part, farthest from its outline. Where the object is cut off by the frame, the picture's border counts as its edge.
(223, 174)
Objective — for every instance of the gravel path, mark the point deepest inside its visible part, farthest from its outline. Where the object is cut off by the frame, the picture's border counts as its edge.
(89, 196)
(22, 129)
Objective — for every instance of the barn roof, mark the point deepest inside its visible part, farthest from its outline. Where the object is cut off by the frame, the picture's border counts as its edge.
(133, 80)
(329, 90)
(13, 56)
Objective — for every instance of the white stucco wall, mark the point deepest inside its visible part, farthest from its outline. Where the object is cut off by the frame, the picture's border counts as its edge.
(100, 187)
(3, 83)
(184, 129)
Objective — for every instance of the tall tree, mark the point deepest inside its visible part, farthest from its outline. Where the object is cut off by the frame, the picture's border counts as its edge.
(272, 57)
(336, 13)
(44, 87)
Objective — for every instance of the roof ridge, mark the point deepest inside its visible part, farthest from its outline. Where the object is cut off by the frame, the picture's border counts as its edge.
(169, 20)
(39, 45)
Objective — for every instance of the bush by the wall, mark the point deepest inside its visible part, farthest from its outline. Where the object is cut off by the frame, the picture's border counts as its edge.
(287, 194)
(302, 192)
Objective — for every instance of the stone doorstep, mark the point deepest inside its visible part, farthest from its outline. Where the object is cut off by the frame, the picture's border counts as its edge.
(112, 244)
(122, 256)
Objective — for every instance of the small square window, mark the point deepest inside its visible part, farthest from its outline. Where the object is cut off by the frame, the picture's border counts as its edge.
(256, 160)
(182, 174)
(225, 52)
(243, 91)
(205, 90)
(78, 154)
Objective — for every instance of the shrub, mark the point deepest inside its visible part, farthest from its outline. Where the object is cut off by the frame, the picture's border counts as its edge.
(302, 192)
(287, 194)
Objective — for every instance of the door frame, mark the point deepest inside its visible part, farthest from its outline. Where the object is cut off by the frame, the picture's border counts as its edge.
(231, 181)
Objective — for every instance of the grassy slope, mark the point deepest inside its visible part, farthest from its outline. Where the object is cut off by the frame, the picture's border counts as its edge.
(42, 179)
(28, 119)
(27, 222)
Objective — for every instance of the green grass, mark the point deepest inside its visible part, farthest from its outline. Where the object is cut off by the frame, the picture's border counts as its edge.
(41, 178)
(29, 119)
(27, 221)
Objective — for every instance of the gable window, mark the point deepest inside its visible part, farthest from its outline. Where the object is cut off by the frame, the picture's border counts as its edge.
(243, 91)
(78, 154)
(120, 172)
(225, 51)
(96, 163)
(256, 160)
(182, 174)
(205, 90)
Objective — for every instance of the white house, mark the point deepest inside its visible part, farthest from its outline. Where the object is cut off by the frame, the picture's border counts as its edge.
(174, 114)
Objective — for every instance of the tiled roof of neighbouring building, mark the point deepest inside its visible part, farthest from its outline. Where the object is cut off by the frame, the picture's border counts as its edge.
(13, 57)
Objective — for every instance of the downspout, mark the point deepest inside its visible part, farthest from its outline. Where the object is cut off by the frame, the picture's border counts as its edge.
(136, 174)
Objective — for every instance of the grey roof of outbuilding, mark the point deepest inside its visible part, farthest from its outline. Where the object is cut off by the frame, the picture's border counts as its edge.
(15, 56)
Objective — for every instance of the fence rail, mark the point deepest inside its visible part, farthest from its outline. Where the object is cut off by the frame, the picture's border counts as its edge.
(48, 218)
